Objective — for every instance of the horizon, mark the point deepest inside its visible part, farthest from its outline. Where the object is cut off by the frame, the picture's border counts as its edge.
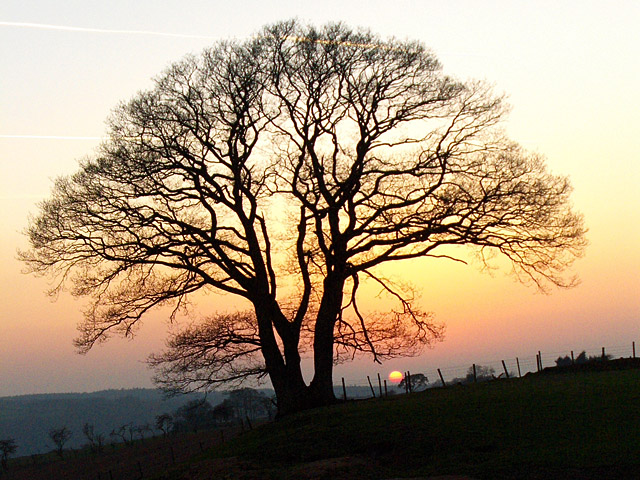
(449, 371)
(569, 70)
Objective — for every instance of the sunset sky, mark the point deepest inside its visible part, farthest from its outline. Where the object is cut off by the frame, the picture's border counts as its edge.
(571, 73)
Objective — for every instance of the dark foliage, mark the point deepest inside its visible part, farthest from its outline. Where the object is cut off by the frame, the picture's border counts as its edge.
(8, 447)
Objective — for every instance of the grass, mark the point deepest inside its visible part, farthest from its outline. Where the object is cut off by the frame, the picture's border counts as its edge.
(572, 425)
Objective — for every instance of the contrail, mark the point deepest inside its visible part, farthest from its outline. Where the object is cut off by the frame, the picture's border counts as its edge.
(45, 26)
(52, 137)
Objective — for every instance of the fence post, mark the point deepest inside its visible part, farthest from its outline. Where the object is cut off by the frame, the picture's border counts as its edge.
(373, 392)
(380, 385)
(409, 381)
(604, 356)
(475, 376)
(573, 362)
(518, 363)
(386, 393)
(441, 378)
(633, 345)
(505, 369)
(344, 390)
(540, 360)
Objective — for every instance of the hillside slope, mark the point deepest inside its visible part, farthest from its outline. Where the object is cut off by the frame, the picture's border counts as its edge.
(570, 425)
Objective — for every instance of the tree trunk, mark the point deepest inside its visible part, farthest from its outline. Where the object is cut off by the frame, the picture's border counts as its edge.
(292, 394)
(283, 366)
(321, 388)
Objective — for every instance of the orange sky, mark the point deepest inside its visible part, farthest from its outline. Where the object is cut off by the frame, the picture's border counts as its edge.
(570, 70)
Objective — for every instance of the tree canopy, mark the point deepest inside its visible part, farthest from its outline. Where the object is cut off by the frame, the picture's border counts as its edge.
(288, 169)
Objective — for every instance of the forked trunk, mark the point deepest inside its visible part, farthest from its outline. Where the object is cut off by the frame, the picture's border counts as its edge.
(293, 395)
(285, 371)
(296, 398)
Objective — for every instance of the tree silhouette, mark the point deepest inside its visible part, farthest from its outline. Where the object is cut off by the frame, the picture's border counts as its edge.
(164, 423)
(581, 359)
(288, 170)
(124, 432)
(417, 382)
(8, 447)
(194, 415)
(59, 437)
(96, 440)
(482, 373)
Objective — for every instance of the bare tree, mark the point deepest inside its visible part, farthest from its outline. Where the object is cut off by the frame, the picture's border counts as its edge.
(8, 447)
(164, 423)
(288, 170)
(125, 433)
(96, 440)
(59, 437)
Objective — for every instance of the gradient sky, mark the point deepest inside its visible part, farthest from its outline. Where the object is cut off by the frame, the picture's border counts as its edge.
(569, 68)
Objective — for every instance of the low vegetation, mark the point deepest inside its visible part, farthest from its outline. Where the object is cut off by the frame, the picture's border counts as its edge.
(568, 425)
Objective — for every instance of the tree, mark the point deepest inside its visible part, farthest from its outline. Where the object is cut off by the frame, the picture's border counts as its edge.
(96, 440)
(249, 403)
(125, 433)
(8, 447)
(223, 412)
(564, 361)
(482, 373)
(194, 415)
(164, 423)
(417, 382)
(59, 437)
(581, 359)
(288, 170)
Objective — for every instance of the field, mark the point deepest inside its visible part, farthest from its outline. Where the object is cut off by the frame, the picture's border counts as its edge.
(140, 460)
(571, 425)
(580, 425)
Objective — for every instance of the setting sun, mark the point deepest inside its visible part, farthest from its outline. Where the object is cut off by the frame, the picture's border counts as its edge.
(395, 377)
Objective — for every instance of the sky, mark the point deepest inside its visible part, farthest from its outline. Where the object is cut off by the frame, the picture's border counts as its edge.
(570, 70)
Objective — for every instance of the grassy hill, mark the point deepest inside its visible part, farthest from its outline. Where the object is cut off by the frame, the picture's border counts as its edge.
(582, 425)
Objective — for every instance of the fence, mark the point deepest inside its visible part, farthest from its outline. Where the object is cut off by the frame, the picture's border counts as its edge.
(432, 377)
(154, 456)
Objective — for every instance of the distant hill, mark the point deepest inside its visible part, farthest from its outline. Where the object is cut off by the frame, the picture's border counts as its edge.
(29, 418)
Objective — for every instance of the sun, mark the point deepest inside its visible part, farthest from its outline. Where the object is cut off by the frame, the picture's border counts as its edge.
(395, 377)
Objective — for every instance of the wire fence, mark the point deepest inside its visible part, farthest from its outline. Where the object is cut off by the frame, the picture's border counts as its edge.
(152, 457)
(433, 376)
